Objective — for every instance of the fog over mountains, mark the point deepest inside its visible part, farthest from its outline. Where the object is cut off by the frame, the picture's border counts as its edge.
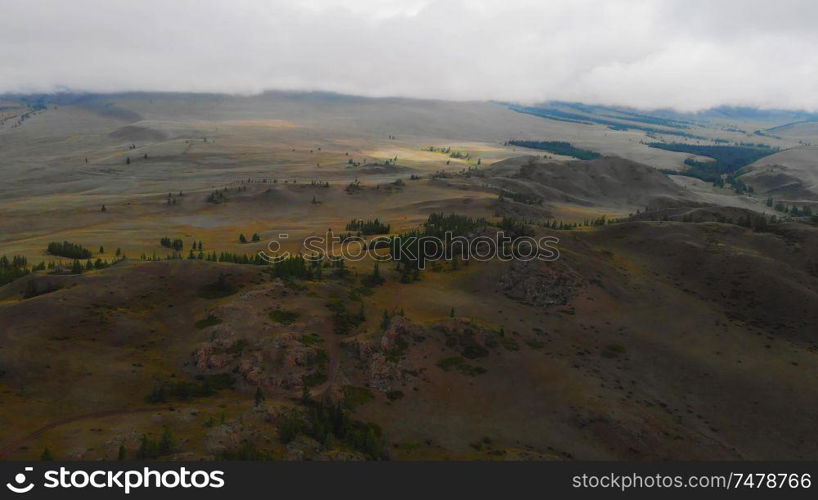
(688, 55)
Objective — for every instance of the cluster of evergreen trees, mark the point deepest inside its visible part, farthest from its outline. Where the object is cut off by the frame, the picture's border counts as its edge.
(754, 221)
(728, 160)
(406, 248)
(175, 244)
(368, 227)
(234, 258)
(438, 224)
(792, 210)
(69, 250)
(243, 238)
(528, 199)
(293, 267)
(216, 197)
(11, 269)
(515, 228)
(353, 187)
(552, 113)
(150, 449)
(90, 266)
(556, 147)
(374, 279)
(343, 319)
(460, 155)
(560, 225)
(17, 267)
(329, 423)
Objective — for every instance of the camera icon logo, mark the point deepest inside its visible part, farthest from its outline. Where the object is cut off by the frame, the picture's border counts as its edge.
(20, 479)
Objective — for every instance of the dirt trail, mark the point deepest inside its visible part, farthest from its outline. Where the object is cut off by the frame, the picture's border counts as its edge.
(15, 445)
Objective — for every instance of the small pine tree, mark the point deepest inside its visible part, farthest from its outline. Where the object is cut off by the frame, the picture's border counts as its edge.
(167, 443)
(101, 249)
(145, 450)
(451, 313)
(259, 396)
(121, 454)
(46, 456)
(127, 160)
(242, 238)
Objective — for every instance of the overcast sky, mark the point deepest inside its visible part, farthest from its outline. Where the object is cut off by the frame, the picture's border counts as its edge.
(687, 54)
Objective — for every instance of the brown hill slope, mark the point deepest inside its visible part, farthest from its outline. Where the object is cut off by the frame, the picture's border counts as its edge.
(644, 341)
(604, 181)
(790, 175)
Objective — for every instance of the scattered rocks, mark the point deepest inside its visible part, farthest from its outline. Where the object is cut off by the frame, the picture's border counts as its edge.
(540, 284)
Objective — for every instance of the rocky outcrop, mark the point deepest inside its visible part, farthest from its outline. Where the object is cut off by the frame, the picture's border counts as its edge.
(383, 357)
(278, 363)
(540, 284)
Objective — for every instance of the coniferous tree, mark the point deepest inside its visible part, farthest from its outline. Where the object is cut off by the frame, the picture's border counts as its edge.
(167, 442)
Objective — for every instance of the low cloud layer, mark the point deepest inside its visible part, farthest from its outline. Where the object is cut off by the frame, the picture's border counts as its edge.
(687, 54)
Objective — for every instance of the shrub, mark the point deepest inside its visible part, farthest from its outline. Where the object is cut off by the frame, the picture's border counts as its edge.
(217, 289)
(283, 316)
(356, 396)
(203, 386)
(394, 395)
(210, 320)
(459, 364)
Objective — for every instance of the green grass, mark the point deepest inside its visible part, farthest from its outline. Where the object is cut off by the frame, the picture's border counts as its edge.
(314, 379)
(210, 320)
(613, 351)
(311, 339)
(181, 390)
(394, 395)
(356, 396)
(457, 363)
(283, 316)
(218, 289)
